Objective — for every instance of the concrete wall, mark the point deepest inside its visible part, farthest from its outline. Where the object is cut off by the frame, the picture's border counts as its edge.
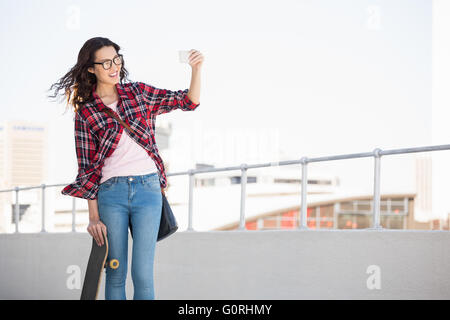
(293, 264)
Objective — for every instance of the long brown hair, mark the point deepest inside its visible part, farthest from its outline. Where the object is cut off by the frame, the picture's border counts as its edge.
(78, 82)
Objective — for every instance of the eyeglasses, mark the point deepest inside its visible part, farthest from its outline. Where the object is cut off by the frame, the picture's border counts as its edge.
(118, 60)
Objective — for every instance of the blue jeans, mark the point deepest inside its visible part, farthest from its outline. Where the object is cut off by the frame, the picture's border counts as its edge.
(133, 201)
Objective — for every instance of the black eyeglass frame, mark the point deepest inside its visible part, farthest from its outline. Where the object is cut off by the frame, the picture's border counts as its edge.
(110, 62)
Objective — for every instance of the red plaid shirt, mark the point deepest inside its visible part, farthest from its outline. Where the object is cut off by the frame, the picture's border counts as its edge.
(97, 134)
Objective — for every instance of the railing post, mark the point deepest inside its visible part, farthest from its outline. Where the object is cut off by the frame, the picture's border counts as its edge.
(191, 190)
(376, 190)
(243, 196)
(405, 212)
(16, 209)
(405, 205)
(336, 209)
(74, 212)
(318, 217)
(43, 207)
(303, 216)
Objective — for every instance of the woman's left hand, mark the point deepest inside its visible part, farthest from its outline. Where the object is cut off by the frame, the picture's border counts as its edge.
(195, 59)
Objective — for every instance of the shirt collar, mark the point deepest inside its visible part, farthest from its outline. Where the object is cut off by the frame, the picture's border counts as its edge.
(120, 91)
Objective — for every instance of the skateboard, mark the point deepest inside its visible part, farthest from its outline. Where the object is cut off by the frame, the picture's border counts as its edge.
(95, 266)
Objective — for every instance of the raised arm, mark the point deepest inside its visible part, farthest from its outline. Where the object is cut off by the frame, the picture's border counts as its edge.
(163, 100)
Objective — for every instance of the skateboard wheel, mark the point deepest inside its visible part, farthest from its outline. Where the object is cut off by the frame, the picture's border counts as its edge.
(114, 264)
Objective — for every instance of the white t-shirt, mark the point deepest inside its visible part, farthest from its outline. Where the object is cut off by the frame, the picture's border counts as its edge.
(128, 159)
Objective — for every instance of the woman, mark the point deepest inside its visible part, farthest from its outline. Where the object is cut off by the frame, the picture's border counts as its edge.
(120, 172)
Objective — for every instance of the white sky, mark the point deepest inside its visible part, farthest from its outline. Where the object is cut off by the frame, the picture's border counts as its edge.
(325, 77)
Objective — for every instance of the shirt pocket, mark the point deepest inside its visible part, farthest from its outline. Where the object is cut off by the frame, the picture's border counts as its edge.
(141, 104)
(103, 125)
(139, 126)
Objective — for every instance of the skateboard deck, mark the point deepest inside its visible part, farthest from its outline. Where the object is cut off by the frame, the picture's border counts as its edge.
(95, 266)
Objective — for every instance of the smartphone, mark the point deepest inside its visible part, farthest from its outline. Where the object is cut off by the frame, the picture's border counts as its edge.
(184, 56)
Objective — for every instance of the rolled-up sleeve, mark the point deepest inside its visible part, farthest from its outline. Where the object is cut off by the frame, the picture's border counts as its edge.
(163, 100)
(87, 180)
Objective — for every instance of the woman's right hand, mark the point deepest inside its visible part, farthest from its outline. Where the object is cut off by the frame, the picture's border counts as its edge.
(95, 229)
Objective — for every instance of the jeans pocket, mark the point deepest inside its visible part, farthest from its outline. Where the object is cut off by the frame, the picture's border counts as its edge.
(152, 184)
(108, 184)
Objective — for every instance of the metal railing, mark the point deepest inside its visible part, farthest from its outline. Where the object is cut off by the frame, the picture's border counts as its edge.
(304, 161)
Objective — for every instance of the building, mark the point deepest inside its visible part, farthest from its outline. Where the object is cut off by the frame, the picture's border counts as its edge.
(352, 212)
(23, 162)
